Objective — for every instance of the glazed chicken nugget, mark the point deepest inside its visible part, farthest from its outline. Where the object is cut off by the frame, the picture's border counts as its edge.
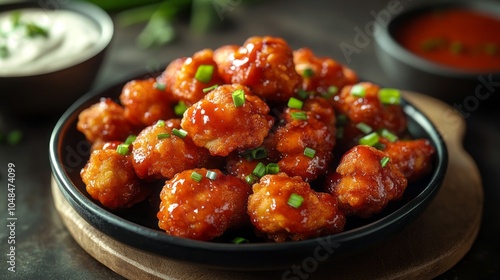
(217, 123)
(360, 103)
(146, 102)
(321, 75)
(187, 77)
(305, 145)
(265, 65)
(412, 157)
(110, 178)
(202, 204)
(364, 182)
(104, 121)
(286, 208)
(159, 153)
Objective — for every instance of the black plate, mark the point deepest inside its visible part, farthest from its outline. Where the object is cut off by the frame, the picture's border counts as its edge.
(137, 227)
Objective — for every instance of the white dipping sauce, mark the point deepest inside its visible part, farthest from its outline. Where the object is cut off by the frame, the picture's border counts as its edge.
(70, 39)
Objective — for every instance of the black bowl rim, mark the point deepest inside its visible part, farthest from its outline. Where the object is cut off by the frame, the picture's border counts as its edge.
(86, 207)
(387, 42)
(86, 9)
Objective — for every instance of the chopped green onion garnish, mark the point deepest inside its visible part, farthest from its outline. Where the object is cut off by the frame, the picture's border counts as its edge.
(14, 137)
(456, 47)
(295, 103)
(196, 176)
(330, 92)
(259, 170)
(384, 161)
(389, 96)
(295, 200)
(251, 179)
(159, 86)
(259, 153)
(210, 88)
(364, 127)
(204, 73)
(308, 73)
(33, 30)
(370, 139)
(15, 18)
(341, 120)
(131, 138)
(339, 133)
(388, 135)
(179, 132)
(303, 94)
(160, 123)
(211, 175)
(239, 240)
(272, 168)
(358, 91)
(180, 108)
(432, 44)
(301, 115)
(308, 152)
(163, 135)
(238, 97)
(123, 149)
(4, 52)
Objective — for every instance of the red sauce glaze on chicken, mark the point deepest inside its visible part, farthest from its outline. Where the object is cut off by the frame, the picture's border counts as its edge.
(202, 210)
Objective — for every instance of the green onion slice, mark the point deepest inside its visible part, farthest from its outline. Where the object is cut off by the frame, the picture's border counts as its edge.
(159, 86)
(384, 161)
(239, 240)
(180, 108)
(163, 135)
(123, 149)
(308, 152)
(330, 92)
(388, 135)
(272, 168)
(295, 200)
(341, 120)
(308, 73)
(339, 133)
(301, 115)
(33, 30)
(211, 175)
(358, 91)
(259, 153)
(131, 138)
(389, 96)
(238, 97)
(196, 176)
(160, 123)
(259, 170)
(210, 88)
(303, 94)
(364, 127)
(295, 103)
(204, 73)
(179, 132)
(251, 179)
(370, 139)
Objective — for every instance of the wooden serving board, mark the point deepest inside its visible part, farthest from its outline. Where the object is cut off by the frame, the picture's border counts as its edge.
(428, 247)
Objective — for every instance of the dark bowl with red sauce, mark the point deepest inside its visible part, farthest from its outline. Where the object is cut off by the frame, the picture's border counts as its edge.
(449, 50)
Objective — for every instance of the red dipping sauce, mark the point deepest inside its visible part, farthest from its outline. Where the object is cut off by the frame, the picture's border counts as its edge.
(456, 37)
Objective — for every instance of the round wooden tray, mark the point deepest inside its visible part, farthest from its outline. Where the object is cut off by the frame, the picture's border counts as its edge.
(428, 247)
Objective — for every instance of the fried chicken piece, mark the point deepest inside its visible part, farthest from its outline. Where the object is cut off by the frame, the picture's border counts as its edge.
(181, 78)
(321, 73)
(264, 64)
(202, 210)
(145, 102)
(157, 153)
(363, 184)
(104, 121)
(110, 178)
(216, 123)
(412, 157)
(279, 219)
